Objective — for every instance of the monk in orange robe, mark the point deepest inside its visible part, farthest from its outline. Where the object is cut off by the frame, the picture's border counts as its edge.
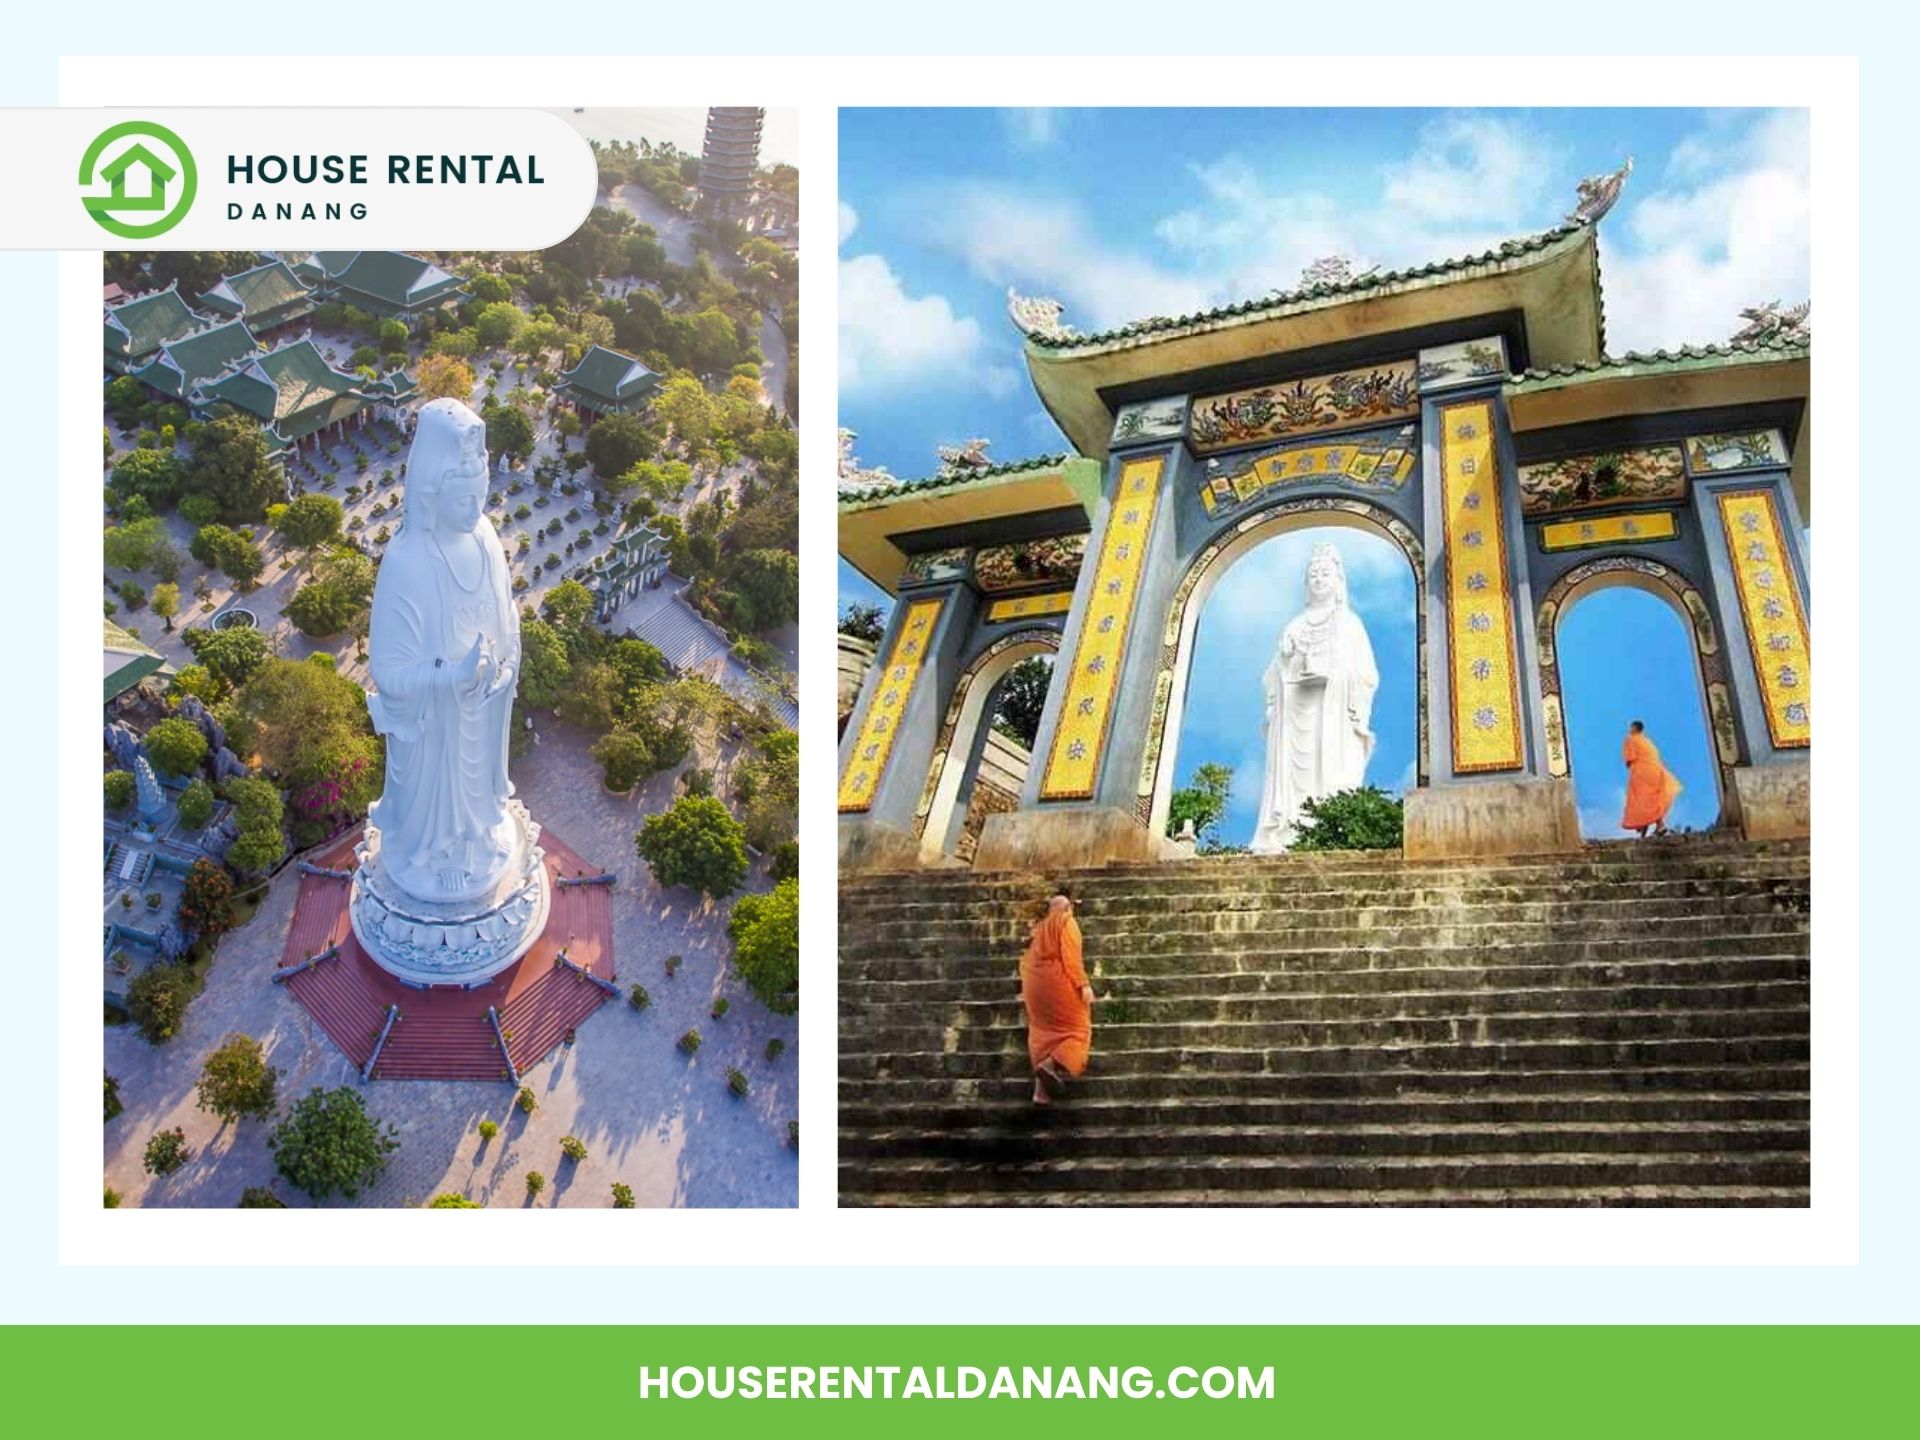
(1651, 787)
(1059, 1000)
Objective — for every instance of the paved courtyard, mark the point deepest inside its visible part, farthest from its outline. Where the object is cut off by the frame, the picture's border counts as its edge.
(650, 1117)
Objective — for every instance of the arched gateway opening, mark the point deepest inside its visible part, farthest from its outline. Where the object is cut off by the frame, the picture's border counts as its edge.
(976, 772)
(1624, 640)
(1223, 626)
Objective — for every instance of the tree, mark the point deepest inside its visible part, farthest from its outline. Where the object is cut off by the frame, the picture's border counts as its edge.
(625, 759)
(488, 289)
(1203, 801)
(769, 581)
(236, 1081)
(231, 657)
(176, 746)
(259, 1197)
(772, 805)
(128, 546)
(619, 442)
(229, 552)
(165, 561)
(684, 404)
(498, 323)
(206, 901)
(1023, 695)
(544, 667)
(864, 622)
(569, 607)
(196, 804)
(165, 602)
(158, 999)
(309, 725)
(453, 1201)
(311, 519)
(392, 336)
(319, 609)
(256, 803)
(444, 377)
(697, 844)
(230, 466)
(253, 851)
(765, 930)
(119, 789)
(153, 475)
(1366, 818)
(330, 1144)
(509, 432)
(167, 1151)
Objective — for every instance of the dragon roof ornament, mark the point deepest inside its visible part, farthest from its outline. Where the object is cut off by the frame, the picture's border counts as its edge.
(1035, 315)
(1331, 270)
(853, 478)
(1597, 194)
(967, 455)
(1768, 324)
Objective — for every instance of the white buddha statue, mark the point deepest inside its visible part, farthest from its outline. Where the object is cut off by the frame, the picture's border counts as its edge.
(450, 875)
(1319, 692)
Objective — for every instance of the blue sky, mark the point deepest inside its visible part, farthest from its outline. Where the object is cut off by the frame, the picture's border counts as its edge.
(1125, 213)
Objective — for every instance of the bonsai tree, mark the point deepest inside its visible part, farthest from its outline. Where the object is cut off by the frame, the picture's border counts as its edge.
(738, 1083)
(536, 1182)
(689, 1042)
(527, 1100)
(453, 1201)
(638, 997)
(330, 1144)
(622, 1196)
(573, 1148)
(167, 1151)
(697, 843)
(237, 1081)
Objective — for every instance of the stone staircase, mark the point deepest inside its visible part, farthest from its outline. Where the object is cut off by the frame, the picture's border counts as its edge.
(1627, 1026)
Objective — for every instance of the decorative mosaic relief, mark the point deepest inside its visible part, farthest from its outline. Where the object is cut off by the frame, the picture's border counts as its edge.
(1611, 530)
(1747, 450)
(1471, 360)
(1556, 726)
(1614, 477)
(867, 761)
(1025, 607)
(1486, 686)
(1080, 734)
(957, 706)
(1150, 420)
(1055, 559)
(1770, 603)
(1306, 407)
(931, 566)
(1375, 462)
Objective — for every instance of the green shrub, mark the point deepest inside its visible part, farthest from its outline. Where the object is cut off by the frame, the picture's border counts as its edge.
(536, 1182)
(573, 1148)
(167, 1151)
(793, 1133)
(110, 1198)
(453, 1200)
(119, 789)
(737, 1082)
(158, 999)
(690, 1042)
(1364, 819)
(114, 1107)
(638, 997)
(259, 1197)
(236, 1080)
(622, 1196)
(196, 804)
(721, 1006)
(775, 1048)
(673, 964)
(527, 1100)
(488, 1129)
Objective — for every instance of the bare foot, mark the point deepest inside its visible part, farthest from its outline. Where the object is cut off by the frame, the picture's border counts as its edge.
(1040, 1096)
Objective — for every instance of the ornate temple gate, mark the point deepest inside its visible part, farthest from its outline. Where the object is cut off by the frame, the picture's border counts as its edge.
(1468, 414)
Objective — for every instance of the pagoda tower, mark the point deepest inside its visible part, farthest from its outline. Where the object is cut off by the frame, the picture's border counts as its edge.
(729, 157)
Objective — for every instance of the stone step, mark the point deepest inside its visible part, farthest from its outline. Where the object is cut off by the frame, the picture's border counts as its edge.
(1009, 1013)
(928, 995)
(1370, 1054)
(1718, 1197)
(874, 1117)
(1385, 1173)
(1043, 1143)
(1713, 1076)
(954, 963)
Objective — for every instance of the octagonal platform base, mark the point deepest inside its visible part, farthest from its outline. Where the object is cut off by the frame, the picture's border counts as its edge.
(443, 1032)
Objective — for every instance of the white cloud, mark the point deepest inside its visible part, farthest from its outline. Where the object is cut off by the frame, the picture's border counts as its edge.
(1033, 128)
(1471, 168)
(849, 222)
(1729, 230)
(890, 339)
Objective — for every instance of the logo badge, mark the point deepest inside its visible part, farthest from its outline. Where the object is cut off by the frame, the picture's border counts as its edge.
(148, 175)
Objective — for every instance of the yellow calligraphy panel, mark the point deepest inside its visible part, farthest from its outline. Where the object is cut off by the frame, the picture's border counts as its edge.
(1770, 603)
(1080, 734)
(1056, 602)
(1486, 690)
(1613, 530)
(867, 761)
(1375, 463)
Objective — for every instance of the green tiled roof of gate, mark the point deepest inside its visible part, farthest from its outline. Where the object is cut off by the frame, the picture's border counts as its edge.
(198, 357)
(950, 479)
(1662, 362)
(394, 279)
(610, 374)
(125, 661)
(1311, 295)
(149, 322)
(258, 293)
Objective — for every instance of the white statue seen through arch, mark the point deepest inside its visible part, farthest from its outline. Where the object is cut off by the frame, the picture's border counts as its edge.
(1319, 705)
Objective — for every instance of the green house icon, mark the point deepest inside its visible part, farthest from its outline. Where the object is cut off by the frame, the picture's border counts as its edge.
(159, 175)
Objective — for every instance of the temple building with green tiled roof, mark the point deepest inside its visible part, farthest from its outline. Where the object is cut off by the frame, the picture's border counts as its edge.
(178, 366)
(605, 382)
(126, 661)
(299, 398)
(382, 282)
(266, 297)
(136, 329)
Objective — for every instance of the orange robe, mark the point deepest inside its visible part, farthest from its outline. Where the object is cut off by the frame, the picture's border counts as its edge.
(1059, 1020)
(1651, 787)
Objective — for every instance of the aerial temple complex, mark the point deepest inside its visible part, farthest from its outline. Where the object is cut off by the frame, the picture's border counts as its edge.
(1468, 411)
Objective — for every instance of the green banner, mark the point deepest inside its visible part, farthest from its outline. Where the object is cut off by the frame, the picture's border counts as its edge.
(297, 1381)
